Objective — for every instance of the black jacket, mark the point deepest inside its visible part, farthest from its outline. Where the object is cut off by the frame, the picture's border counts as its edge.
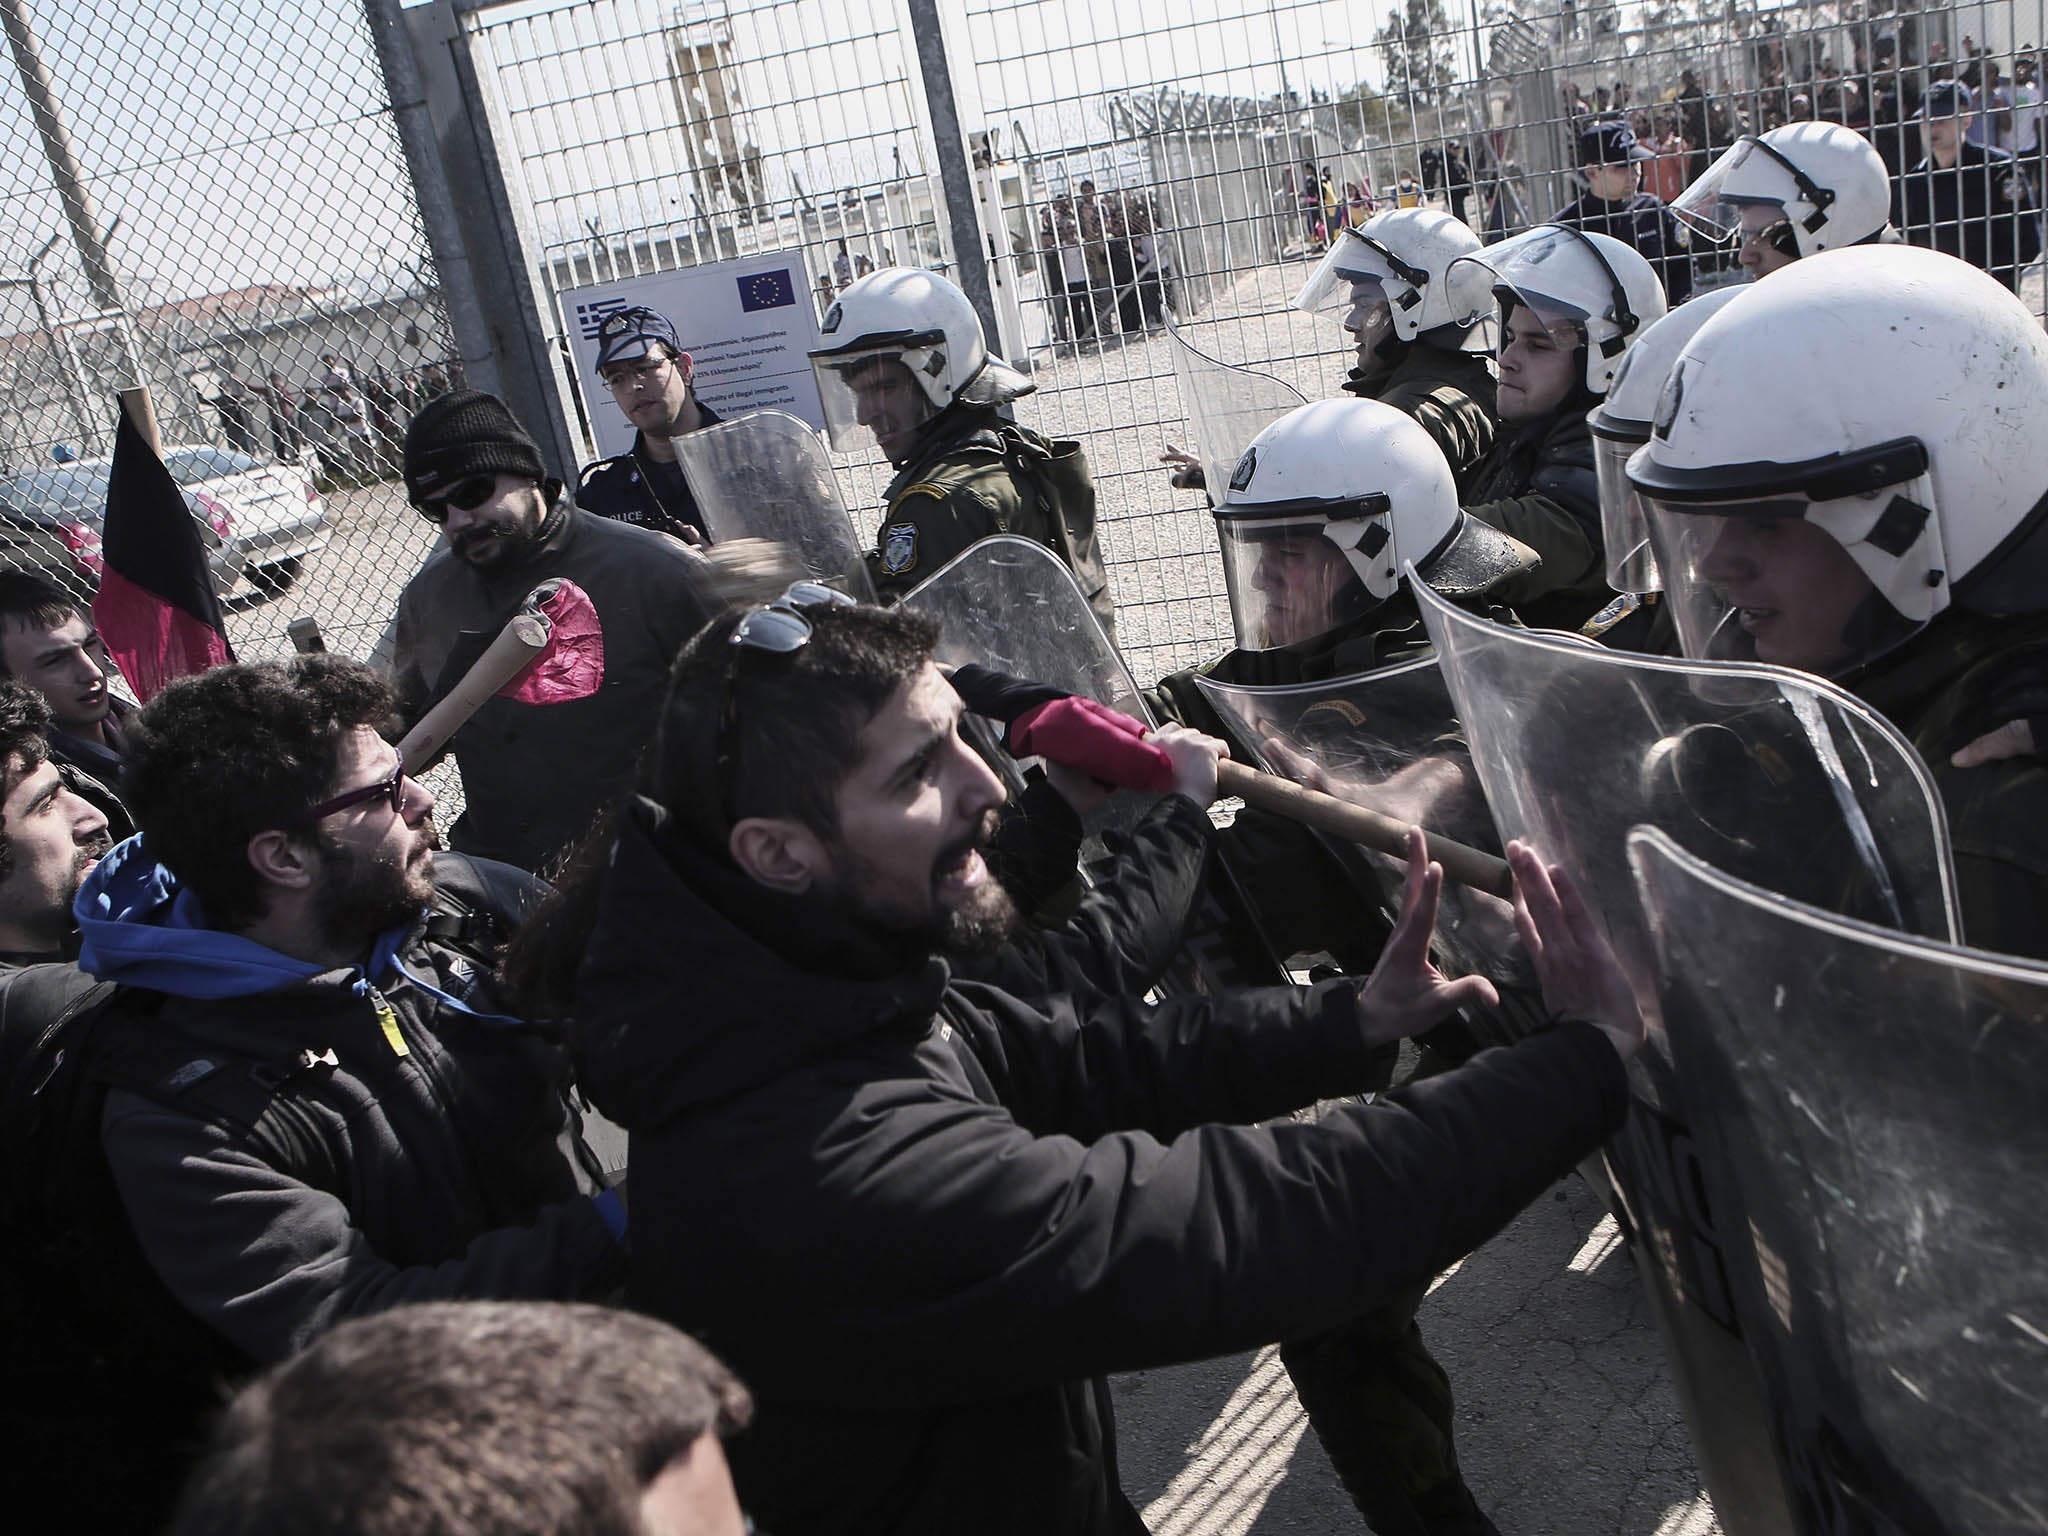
(94, 771)
(535, 776)
(918, 1214)
(1963, 675)
(624, 489)
(1980, 209)
(1642, 222)
(1540, 486)
(437, 1155)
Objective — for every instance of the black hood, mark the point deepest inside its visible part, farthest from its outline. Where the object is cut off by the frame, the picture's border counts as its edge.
(680, 1002)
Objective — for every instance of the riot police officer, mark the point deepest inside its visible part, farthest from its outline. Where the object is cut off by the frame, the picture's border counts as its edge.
(1570, 304)
(1324, 510)
(1414, 353)
(905, 362)
(1847, 476)
(1795, 191)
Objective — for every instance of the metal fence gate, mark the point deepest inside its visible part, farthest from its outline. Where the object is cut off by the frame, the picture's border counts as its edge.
(219, 200)
(1196, 163)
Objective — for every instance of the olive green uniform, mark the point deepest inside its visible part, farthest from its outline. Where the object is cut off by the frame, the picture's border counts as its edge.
(978, 477)
(1451, 396)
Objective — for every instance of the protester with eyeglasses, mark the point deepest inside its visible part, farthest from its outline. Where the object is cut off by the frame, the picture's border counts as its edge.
(921, 1214)
(642, 363)
(343, 1117)
(539, 761)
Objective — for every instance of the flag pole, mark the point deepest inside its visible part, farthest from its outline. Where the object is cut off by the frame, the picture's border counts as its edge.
(141, 411)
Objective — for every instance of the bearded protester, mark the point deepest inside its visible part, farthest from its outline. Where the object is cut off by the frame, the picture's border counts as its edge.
(540, 759)
(298, 1101)
(981, 1203)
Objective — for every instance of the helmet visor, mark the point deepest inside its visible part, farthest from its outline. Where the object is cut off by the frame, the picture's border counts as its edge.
(1823, 586)
(872, 399)
(1742, 175)
(1290, 579)
(1631, 563)
(1352, 260)
(1555, 271)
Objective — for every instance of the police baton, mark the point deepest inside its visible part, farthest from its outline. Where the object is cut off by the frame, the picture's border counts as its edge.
(1362, 825)
(523, 638)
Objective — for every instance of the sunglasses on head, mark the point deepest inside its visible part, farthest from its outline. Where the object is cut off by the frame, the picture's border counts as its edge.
(778, 628)
(465, 495)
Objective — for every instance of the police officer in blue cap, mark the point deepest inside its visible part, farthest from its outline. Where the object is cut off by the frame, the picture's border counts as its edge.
(649, 375)
(1616, 205)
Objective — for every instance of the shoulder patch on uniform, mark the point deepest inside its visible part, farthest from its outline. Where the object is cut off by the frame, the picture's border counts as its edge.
(899, 548)
(929, 488)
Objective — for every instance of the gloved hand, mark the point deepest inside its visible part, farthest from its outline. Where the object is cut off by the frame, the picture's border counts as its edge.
(1093, 739)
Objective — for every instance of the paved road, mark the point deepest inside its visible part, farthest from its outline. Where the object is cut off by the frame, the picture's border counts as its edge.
(1567, 1423)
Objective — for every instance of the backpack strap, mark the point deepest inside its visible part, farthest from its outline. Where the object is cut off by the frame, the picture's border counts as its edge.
(250, 1099)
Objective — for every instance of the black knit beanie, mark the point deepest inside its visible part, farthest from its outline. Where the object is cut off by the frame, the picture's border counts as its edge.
(466, 433)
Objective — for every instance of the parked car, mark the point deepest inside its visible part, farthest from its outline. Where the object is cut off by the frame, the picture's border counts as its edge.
(257, 520)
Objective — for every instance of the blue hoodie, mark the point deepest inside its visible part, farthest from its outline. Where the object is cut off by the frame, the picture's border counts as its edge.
(142, 927)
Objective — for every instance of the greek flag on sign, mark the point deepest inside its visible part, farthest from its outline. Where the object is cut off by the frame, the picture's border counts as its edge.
(766, 290)
(590, 316)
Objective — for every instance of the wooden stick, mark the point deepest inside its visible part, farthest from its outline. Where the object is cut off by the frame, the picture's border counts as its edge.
(518, 643)
(142, 412)
(1360, 824)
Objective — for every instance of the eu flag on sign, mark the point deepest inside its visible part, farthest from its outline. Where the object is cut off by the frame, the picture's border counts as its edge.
(766, 290)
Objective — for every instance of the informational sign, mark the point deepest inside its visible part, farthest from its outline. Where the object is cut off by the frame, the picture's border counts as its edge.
(750, 324)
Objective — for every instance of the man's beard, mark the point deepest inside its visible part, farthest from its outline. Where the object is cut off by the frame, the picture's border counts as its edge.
(512, 543)
(361, 895)
(982, 924)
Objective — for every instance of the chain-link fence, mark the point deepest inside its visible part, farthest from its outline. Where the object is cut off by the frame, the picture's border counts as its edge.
(216, 200)
(211, 200)
(1134, 166)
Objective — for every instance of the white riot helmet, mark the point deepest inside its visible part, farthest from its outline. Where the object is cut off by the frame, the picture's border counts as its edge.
(1325, 506)
(1595, 282)
(1846, 451)
(1397, 260)
(1805, 187)
(1620, 425)
(915, 318)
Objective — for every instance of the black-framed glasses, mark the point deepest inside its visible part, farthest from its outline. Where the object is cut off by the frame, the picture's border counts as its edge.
(466, 495)
(391, 788)
(777, 628)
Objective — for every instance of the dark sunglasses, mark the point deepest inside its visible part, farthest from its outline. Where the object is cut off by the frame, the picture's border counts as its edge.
(391, 788)
(467, 495)
(777, 628)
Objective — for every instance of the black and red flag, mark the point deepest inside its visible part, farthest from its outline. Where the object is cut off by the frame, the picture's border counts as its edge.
(156, 608)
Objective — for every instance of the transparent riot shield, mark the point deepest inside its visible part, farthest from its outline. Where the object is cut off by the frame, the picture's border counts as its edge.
(1227, 405)
(1874, 1104)
(766, 476)
(1390, 739)
(1768, 774)
(1012, 604)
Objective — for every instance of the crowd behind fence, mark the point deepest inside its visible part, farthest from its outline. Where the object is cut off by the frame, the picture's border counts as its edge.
(240, 230)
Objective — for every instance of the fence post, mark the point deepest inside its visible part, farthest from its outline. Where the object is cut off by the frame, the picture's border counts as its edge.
(475, 221)
(972, 252)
